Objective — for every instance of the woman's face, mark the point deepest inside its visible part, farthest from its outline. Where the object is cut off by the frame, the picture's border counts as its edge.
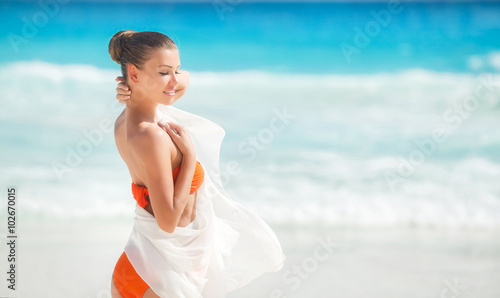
(157, 79)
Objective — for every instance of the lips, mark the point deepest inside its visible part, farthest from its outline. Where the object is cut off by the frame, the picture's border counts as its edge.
(170, 92)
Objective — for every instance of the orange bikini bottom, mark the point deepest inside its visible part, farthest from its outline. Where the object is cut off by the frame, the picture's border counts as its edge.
(126, 279)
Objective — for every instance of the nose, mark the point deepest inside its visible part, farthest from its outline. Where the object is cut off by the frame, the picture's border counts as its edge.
(173, 80)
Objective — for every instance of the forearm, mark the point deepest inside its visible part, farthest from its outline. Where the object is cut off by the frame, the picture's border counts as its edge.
(182, 185)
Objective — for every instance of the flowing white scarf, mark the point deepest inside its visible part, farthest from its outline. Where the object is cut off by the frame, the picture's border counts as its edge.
(224, 248)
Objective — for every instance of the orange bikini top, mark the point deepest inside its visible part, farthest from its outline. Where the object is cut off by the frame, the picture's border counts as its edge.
(141, 193)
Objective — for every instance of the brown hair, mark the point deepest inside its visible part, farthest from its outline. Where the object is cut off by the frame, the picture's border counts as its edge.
(131, 47)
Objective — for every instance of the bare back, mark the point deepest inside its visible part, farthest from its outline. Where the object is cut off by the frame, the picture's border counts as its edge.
(137, 171)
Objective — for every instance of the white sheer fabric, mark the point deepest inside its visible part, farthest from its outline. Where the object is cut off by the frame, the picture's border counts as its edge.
(224, 248)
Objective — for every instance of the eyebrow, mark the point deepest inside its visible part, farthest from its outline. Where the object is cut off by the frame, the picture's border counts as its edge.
(168, 65)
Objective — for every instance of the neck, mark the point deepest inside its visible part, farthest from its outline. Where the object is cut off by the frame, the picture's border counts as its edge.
(142, 109)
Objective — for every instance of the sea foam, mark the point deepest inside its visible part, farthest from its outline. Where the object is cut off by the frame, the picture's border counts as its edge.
(310, 149)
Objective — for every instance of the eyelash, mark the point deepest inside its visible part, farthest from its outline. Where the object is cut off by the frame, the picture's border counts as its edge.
(166, 73)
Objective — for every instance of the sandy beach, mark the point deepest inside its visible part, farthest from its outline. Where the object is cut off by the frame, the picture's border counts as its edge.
(371, 148)
(60, 258)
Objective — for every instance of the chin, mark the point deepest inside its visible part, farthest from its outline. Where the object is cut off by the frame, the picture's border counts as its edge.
(168, 101)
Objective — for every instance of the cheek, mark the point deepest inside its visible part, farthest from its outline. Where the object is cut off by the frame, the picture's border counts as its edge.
(148, 82)
(154, 82)
(162, 81)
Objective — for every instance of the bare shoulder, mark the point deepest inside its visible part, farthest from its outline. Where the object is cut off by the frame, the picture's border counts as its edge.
(119, 121)
(150, 141)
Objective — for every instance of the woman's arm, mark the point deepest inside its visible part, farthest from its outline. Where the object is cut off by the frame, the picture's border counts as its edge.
(183, 183)
(154, 150)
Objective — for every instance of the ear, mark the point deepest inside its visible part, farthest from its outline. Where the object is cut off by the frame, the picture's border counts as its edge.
(133, 73)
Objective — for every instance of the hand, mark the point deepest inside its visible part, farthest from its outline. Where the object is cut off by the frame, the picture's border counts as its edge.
(122, 90)
(180, 136)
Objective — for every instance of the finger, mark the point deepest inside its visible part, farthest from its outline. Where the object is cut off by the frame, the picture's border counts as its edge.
(174, 125)
(165, 126)
(123, 86)
(120, 78)
(171, 132)
(123, 91)
(177, 130)
(163, 123)
(121, 97)
(162, 126)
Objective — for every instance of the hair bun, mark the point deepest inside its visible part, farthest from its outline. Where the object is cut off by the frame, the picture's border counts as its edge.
(118, 42)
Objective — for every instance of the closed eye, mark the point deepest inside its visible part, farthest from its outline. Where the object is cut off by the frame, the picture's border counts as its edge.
(166, 73)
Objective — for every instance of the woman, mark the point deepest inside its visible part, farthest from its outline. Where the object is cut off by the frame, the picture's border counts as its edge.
(189, 238)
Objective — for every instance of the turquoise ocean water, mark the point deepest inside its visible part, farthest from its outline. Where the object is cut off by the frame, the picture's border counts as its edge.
(370, 124)
(387, 115)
